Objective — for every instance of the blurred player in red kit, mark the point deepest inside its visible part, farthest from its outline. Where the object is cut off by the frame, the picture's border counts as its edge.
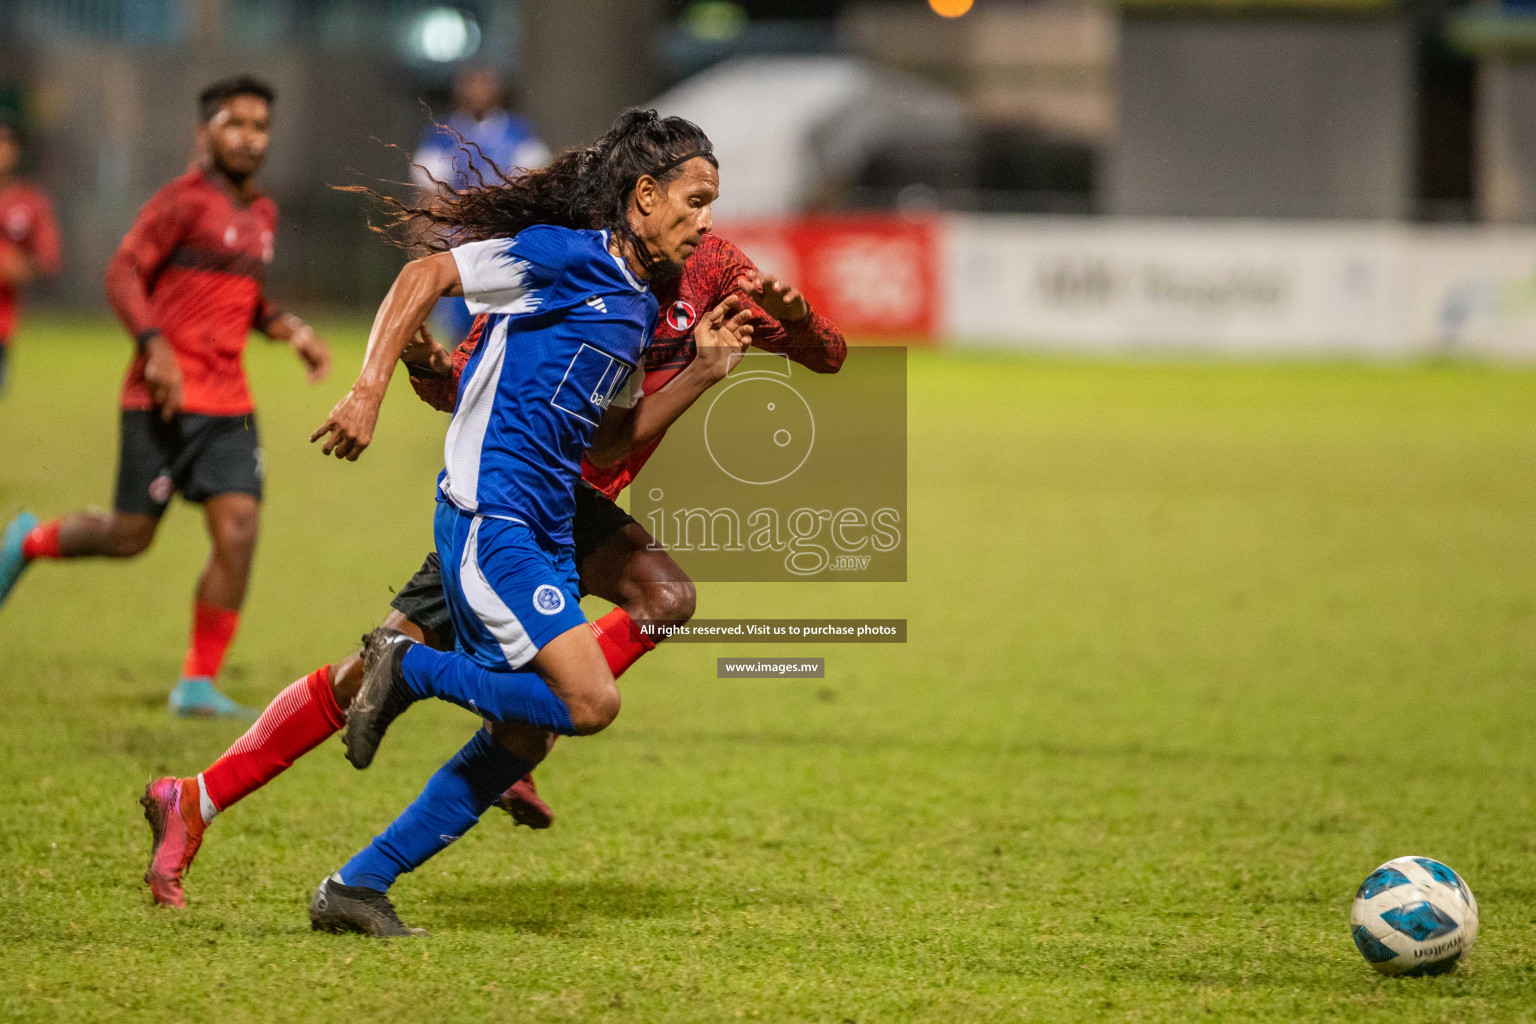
(187, 283)
(29, 238)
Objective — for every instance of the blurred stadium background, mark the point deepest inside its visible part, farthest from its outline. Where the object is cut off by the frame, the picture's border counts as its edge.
(1313, 176)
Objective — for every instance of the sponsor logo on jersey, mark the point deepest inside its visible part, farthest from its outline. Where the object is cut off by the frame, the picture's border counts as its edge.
(596, 302)
(548, 600)
(680, 316)
(593, 379)
(18, 222)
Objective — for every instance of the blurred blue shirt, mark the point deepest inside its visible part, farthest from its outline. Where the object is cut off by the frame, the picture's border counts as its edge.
(506, 138)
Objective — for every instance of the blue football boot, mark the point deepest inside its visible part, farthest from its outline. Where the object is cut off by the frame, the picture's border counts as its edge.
(12, 562)
(195, 697)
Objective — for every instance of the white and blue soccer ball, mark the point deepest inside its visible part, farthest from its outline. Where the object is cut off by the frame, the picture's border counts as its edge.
(1414, 916)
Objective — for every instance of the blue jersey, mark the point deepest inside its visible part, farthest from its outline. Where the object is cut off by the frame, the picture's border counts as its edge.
(567, 324)
(502, 138)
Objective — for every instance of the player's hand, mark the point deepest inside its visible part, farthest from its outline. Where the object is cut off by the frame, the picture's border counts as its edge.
(163, 377)
(311, 348)
(721, 336)
(349, 428)
(15, 268)
(779, 299)
(423, 352)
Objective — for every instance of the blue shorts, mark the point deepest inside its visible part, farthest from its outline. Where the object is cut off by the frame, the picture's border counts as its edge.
(509, 593)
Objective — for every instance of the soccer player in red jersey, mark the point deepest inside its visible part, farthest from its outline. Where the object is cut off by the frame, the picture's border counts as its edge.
(618, 560)
(187, 283)
(29, 238)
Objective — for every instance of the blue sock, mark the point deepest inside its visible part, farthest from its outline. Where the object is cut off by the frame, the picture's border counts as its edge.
(455, 797)
(502, 696)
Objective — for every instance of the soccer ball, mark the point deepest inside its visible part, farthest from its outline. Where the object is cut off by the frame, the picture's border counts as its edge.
(1414, 916)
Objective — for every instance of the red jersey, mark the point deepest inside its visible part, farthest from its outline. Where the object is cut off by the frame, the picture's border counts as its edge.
(26, 223)
(192, 268)
(708, 278)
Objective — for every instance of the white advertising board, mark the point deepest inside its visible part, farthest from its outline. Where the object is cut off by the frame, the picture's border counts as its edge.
(1238, 287)
(1472, 291)
(1233, 287)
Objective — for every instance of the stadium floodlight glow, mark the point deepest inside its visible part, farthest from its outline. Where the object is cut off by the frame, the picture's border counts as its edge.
(950, 8)
(445, 35)
(715, 21)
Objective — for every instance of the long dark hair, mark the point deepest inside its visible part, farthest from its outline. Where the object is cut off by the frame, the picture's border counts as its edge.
(583, 188)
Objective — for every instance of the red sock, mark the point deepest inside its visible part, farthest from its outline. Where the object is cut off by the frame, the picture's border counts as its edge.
(621, 640)
(212, 630)
(299, 719)
(42, 541)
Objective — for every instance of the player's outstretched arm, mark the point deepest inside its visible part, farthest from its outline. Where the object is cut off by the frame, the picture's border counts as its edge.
(38, 254)
(793, 328)
(17, 268)
(47, 252)
(720, 338)
(349, 428)
(146, 248)
(306, 344)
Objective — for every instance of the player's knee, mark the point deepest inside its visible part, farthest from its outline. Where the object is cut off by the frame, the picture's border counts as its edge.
(347, 679)
(594, 711)
(675, 601)
(236, 534)
(668, 601)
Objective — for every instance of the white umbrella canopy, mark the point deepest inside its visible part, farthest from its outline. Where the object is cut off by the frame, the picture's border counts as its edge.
(785, 128)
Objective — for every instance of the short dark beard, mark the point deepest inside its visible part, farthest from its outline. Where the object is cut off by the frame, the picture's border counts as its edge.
(658, 269)
(664, 272)
(235, 178)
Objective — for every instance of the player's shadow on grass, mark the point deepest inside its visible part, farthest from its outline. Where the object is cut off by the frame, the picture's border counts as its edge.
(548, 907)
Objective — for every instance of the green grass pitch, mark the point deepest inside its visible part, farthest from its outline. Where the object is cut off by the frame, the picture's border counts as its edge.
(1193, 648)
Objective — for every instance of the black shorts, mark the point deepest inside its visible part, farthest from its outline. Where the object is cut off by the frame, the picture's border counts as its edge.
(5, 352)
(197, 456)
(421, 599)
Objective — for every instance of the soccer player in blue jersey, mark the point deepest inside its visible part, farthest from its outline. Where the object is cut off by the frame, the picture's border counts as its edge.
(558, 260)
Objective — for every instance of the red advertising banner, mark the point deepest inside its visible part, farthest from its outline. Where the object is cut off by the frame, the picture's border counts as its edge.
(874, 276)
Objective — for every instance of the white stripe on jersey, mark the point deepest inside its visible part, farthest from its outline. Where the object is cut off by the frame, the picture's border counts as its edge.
(466, 434)
(494, 281)
(499, 620)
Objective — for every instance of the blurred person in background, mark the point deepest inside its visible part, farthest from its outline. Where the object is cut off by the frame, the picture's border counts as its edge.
(29, 238)
(187, 284)
(460, 153)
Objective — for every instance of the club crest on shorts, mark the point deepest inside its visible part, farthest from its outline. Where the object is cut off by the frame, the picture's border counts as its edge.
(680, 316)
(549, 600)
(160, 489)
